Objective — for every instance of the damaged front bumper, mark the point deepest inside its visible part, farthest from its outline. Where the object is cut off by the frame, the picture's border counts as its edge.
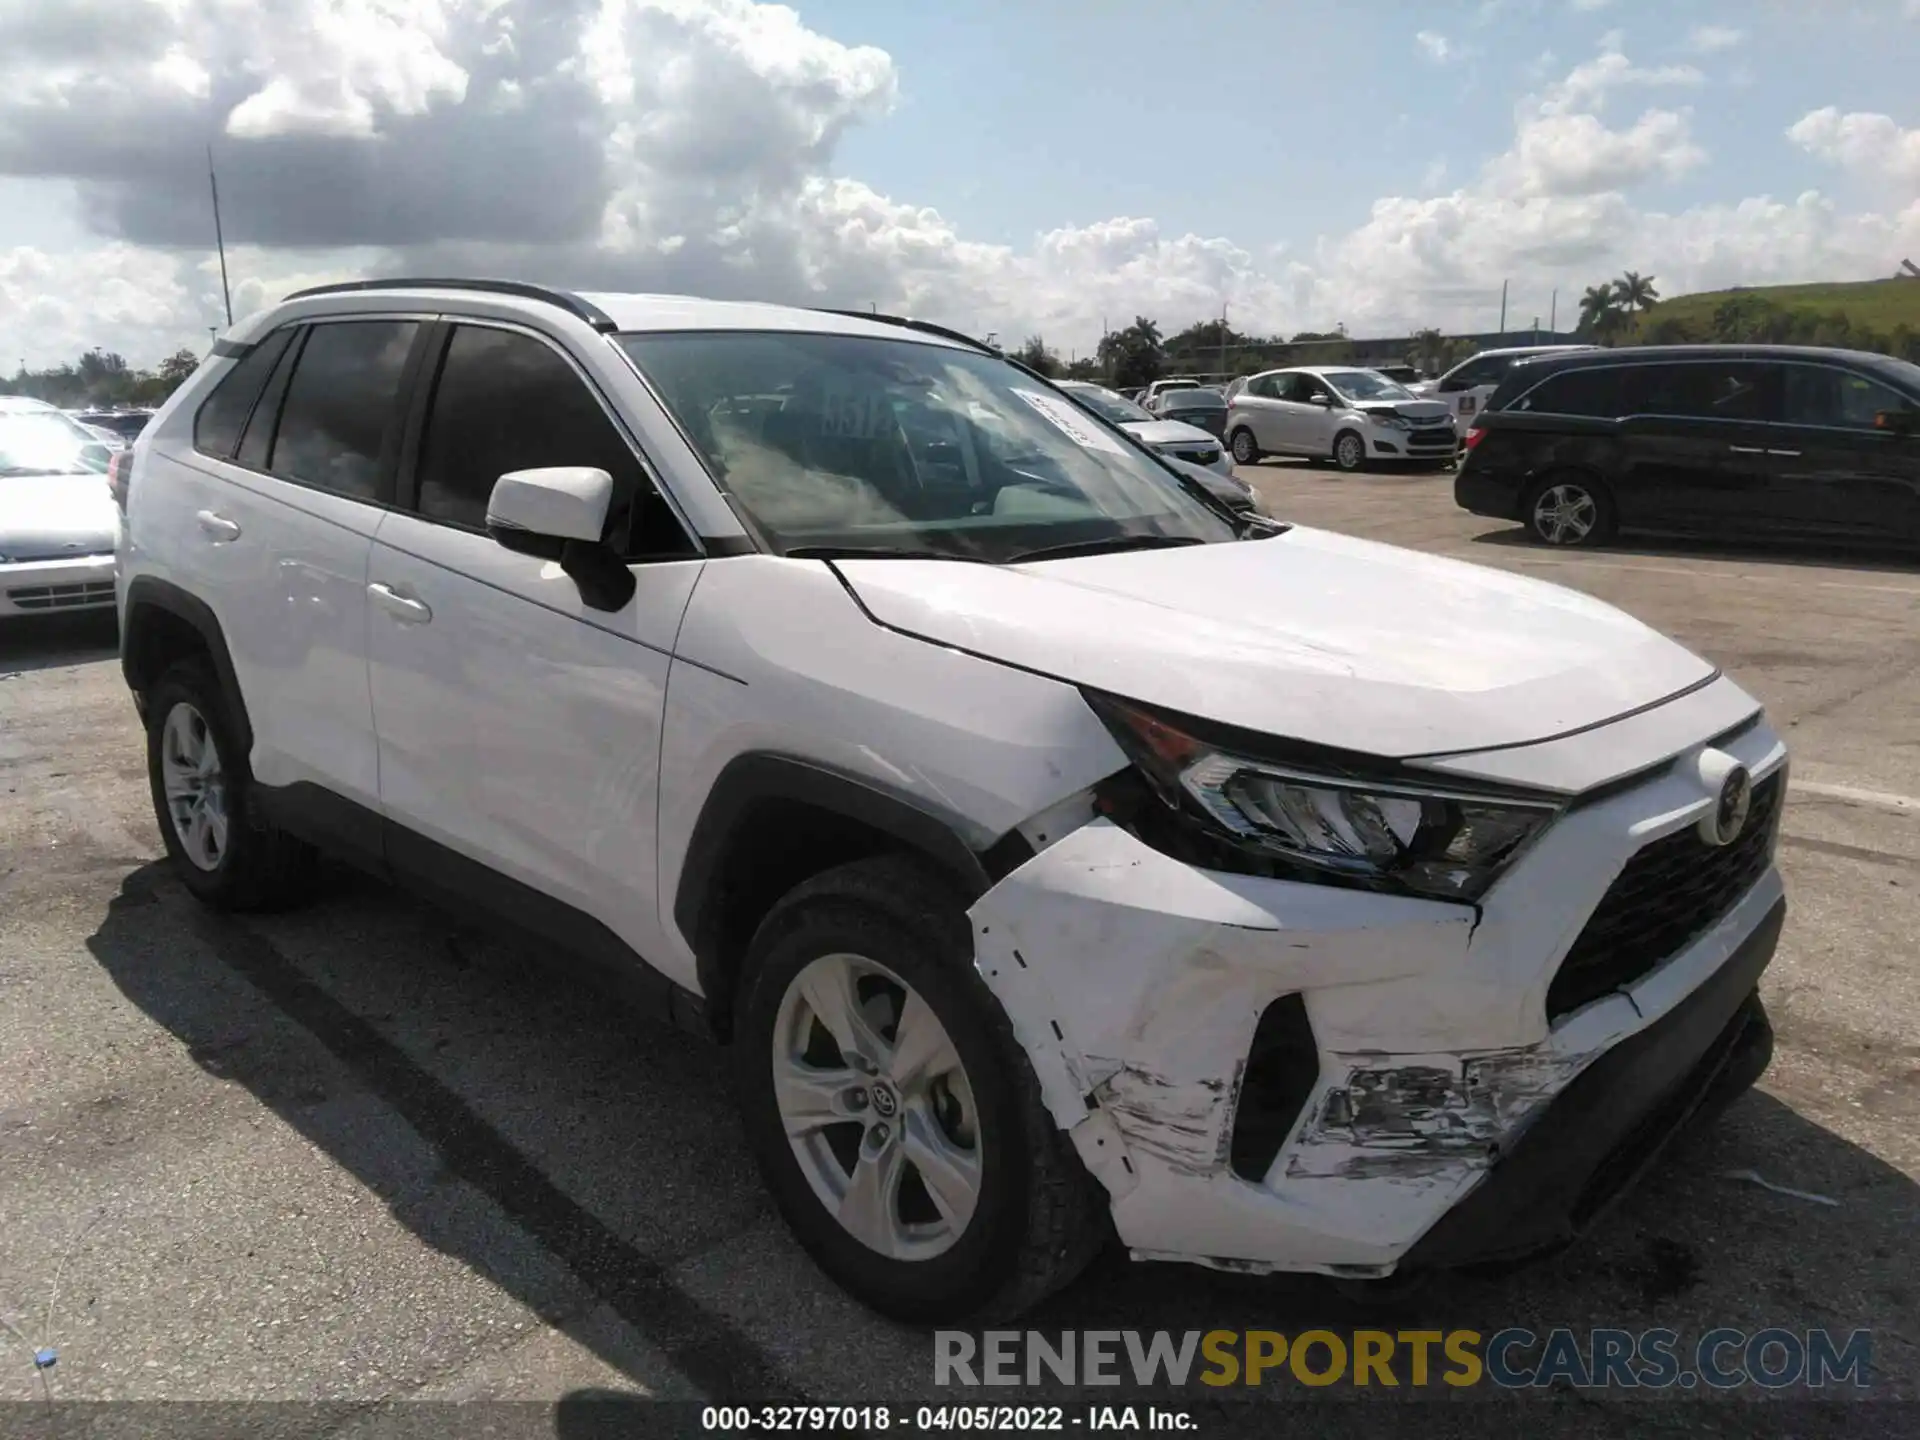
(1410, 1103)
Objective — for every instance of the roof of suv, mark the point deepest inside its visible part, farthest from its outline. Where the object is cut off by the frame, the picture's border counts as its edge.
(606, 312)
(1642, 353)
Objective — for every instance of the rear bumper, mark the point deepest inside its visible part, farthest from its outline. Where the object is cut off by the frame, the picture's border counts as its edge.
(1603, 1131)
(1476, 493)
(37, 587)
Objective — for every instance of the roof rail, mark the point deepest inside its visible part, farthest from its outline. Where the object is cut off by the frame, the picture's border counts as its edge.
(925, 327)
(565, 299)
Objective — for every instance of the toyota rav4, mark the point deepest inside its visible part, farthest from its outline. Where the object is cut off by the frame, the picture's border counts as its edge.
(1062, 854)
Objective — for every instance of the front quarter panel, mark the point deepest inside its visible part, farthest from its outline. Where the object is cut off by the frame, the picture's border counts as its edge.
(776, 657)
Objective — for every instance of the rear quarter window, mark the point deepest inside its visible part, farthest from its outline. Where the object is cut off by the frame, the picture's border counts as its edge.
(223, 414)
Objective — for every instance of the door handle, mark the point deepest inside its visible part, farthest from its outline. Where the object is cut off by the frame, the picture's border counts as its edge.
(404, 608)
(217, 526)
(1783, 452)
(1748, 450)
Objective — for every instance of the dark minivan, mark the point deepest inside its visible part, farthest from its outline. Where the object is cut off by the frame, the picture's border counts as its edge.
(1758, 441)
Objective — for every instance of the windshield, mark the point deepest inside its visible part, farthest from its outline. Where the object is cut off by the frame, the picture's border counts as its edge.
(1107, 405)
(883, 446)
(1365, 385)
(45, 442)
(1908, 374)
(1195, 400)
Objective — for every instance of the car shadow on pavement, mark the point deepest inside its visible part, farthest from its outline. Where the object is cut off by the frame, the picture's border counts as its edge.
(1806, 555)
(42, 642)
(630, 1161)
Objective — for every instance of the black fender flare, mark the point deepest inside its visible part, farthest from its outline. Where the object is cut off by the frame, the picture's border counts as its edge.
(756, 777)
(146, 595)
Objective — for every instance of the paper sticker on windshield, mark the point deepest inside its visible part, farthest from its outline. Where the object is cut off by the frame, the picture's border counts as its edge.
(1070, 421)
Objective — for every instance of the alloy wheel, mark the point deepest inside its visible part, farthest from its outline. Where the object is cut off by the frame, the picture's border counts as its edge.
(1349, 452)
(877, 1107)
(196, 786)
(1243, 451)
(1565, 514)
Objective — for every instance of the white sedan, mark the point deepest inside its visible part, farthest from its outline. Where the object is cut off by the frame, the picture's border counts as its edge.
(58, 522)
(1349, 416)
(1170, 437)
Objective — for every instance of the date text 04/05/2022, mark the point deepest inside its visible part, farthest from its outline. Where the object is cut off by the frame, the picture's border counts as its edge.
(936, 1418)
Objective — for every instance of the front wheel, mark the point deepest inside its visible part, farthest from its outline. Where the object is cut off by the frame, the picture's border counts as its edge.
(1245, 452)
(1349, 451)
(893, 1114)
(1570, 511)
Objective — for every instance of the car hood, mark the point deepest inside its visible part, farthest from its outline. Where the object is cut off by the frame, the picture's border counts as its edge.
(1168, 432)
(52, 516)
(1308, 635)
(1411, 409)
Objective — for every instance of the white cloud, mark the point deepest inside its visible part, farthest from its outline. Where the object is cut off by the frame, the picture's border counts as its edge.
(1872, 146)
(1709, 39)
(1589, 85)
(1436, 47)
(691, 145)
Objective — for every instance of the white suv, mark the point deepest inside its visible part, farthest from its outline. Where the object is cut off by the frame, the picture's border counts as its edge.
(1061, 854)
(1468, 386)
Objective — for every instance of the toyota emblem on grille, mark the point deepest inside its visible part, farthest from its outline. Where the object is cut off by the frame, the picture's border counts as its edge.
(1729, 815)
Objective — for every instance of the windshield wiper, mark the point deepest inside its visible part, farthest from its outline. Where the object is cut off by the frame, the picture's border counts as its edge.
(874, 552)
(1112, 544)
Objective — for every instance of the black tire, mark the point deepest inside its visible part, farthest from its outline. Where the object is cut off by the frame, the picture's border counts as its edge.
(1040, 1218)
(258, 867)
(1598, 501)
(1349, 453)
(1235, 443)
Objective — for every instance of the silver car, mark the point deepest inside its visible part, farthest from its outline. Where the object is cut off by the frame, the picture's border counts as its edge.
(58, 522)
(1203, 454)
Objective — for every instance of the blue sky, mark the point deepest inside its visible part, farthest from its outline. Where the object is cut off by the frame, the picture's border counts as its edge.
(1014, 167)
(1271, 121)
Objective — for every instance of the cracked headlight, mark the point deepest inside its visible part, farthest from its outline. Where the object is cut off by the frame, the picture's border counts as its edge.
(1439, 842)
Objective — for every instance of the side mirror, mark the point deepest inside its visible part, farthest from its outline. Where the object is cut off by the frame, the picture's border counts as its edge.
(560, 513)
(1324, 401)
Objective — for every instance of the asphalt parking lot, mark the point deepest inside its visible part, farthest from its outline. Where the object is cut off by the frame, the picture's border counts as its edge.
(355, 1153)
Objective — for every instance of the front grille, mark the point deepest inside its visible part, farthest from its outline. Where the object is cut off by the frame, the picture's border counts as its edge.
(62, 597)
(1283, 1066)
(1670, 892)
(1209, 456)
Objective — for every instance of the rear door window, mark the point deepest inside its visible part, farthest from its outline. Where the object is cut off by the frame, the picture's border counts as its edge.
(1697, 390)
(223, 414)
(340, 422)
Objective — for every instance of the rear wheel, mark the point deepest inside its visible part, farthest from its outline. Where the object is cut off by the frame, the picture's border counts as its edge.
(1245, 452)
(1569, 511)
(203, 794)
(1349, 451)
(893, 1115)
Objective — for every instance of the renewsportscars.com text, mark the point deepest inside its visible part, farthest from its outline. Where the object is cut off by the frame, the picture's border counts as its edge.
(1775, 1358)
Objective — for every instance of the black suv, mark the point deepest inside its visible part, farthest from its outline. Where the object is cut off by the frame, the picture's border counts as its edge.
(1771, 441)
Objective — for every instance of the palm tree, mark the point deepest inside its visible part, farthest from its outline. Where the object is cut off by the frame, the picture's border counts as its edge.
(1428, 347)
(1600, 311)
(1635, 293)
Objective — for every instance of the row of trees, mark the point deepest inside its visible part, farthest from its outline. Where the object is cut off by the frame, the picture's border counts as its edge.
(101, 379)
(1627, 310)
(1139, 354)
